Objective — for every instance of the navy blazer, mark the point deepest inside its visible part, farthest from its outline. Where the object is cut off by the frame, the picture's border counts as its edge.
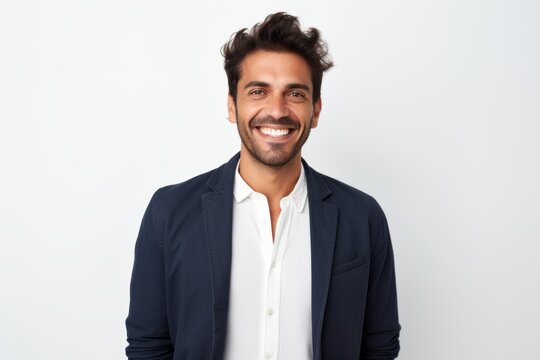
(180, 282)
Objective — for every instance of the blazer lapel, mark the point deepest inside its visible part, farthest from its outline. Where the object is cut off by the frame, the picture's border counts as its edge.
(323, 223)
(217, 211)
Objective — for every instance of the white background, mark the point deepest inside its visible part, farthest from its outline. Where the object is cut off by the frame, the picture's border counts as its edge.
(432, 108)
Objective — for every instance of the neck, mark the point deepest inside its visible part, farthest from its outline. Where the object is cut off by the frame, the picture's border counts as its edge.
(275, 182)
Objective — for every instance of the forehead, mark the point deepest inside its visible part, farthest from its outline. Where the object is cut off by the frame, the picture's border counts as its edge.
(276, 68)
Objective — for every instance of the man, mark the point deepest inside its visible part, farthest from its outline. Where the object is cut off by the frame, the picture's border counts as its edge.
(263, 257)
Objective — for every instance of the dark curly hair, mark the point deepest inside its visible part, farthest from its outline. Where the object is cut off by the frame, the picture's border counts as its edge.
(279, 32)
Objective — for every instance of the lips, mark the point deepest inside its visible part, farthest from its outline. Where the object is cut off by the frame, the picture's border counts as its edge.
(274, 132)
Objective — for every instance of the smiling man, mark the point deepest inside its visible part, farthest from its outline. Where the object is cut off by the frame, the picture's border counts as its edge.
(264, 257)
(277, 106)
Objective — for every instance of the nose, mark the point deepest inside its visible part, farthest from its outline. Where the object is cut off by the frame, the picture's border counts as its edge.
(277, 106)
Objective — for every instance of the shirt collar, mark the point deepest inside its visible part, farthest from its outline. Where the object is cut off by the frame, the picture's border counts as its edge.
(298, 195)
(241, 189)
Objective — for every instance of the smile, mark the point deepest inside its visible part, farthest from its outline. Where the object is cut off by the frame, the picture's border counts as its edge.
(274, 132)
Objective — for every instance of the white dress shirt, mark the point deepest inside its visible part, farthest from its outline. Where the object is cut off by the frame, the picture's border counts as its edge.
(270, 291)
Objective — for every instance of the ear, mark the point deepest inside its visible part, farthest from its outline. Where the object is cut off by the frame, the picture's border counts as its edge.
(231, 108)
(316, 112)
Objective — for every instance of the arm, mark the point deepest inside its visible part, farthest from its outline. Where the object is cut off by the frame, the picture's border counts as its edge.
(381, 325)
(146, 324)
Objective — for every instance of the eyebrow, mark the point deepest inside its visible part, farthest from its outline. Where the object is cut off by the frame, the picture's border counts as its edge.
(265, 84)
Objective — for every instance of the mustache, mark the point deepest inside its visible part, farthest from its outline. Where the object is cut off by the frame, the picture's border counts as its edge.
(268, 120)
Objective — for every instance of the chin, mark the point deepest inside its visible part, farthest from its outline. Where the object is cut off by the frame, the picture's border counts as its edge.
(274, 160)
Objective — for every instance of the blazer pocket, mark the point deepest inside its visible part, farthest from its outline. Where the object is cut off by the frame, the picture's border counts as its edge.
(348, 266)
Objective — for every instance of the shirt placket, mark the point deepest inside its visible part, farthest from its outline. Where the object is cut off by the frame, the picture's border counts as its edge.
(273, 290)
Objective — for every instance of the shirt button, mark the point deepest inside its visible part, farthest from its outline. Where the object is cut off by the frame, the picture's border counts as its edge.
(273, 264)
(268, 355)
(270, 312)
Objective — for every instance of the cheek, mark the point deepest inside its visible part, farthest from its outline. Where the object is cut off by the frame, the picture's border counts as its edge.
(305, 118)
(249, 113)
(302, 111)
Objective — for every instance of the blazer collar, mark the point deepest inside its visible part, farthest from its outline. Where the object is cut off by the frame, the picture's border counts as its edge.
(223, 176)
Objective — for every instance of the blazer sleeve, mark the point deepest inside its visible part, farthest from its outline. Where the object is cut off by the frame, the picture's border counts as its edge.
(147, 326)
(381, 324)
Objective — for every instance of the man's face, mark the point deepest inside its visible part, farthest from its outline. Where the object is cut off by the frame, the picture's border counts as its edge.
(274, 109)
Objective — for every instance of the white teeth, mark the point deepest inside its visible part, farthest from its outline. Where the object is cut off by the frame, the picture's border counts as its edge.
(274, 132)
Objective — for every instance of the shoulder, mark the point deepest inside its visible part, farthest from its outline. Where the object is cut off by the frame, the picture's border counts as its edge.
(358, 210)
(347, 191)
(351, 200)
(196, 185)
(183, 195)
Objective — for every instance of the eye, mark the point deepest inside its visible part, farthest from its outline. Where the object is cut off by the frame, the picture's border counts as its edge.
(297, 94)
(256, 92)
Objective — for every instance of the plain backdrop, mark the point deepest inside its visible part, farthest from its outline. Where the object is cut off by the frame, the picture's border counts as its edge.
(432, 108)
